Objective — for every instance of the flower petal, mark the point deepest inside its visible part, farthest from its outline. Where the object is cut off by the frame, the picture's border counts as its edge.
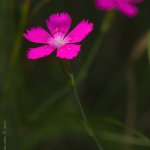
(68, 51)
(105, 4)
(37, 35)
(39, 52)
(59, 23)
(80, 32)
(129, 9)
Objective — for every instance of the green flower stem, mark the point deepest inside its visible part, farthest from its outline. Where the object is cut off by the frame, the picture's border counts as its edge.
(85, 121)
(70, 77)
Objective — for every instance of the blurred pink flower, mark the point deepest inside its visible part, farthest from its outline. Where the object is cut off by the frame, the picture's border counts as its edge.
(127, 7)
(58, 24)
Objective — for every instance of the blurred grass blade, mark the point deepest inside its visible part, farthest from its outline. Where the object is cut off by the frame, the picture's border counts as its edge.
(117, 123)
(109, 135)
(48, 103)
(105, 27)
(18, 40)
(149, 46)
(38, 6)
(16, 49)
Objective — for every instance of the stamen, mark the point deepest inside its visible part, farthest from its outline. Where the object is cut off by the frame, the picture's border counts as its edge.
(58, 40)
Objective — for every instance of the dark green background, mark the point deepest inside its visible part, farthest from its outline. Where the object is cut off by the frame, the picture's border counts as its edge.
(36, 101)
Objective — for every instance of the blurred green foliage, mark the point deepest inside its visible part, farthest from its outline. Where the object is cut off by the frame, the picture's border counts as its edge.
(112, 76)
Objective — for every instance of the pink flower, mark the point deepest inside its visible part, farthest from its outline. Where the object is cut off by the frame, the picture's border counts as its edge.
(58, 24)
(127, 7)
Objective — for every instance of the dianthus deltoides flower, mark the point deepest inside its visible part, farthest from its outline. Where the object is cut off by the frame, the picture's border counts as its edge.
(127, 7)
(58, 39)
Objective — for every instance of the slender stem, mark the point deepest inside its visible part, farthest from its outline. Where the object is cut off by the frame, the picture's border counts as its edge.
(70, 78)
(85, 121)
(67, 69)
